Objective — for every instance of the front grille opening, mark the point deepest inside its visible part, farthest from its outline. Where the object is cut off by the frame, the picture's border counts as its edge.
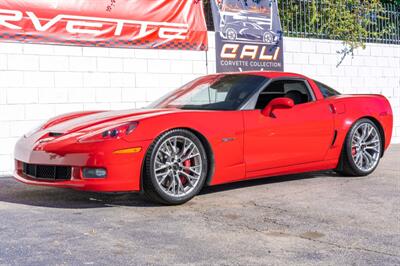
(49, 172)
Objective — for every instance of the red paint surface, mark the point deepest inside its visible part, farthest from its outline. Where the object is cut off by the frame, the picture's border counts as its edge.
(294, 140)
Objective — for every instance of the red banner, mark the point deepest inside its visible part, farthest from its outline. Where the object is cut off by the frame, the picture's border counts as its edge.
(156, 24)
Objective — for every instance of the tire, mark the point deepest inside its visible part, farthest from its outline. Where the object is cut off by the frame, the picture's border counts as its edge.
(268, 38)
(231, 34)
(175, 167)
(361, 153)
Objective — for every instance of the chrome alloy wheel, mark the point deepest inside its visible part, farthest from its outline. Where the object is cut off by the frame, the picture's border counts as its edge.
(366, 147)
(268, 38)
(231, 34)
(177, 166)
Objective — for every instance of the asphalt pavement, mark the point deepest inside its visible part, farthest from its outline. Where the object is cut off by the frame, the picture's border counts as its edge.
(308, 219)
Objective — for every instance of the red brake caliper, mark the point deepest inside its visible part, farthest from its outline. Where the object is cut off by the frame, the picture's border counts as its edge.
(183, 178)
(353, 151)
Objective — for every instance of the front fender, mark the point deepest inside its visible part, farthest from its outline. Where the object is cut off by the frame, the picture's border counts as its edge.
(215, 126)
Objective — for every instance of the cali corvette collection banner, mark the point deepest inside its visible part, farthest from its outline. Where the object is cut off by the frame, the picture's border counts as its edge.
(248, 35)
(157, 24)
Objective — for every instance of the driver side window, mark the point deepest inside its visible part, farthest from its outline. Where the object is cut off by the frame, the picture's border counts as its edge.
(296, 90)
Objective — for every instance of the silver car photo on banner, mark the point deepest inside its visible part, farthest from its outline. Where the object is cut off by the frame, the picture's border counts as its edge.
(248, 35)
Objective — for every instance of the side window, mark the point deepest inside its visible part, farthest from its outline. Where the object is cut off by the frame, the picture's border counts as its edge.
(325, 90)
(296, 90)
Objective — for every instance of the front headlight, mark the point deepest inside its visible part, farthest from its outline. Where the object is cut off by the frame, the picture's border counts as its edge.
(34, 130)
(115, 132)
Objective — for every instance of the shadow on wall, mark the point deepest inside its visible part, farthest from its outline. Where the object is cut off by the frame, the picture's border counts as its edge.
(12, 191)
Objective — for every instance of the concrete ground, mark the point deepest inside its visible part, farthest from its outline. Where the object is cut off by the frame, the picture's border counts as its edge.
(308, 219)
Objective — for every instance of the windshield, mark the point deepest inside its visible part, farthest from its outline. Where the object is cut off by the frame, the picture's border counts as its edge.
(224, 92)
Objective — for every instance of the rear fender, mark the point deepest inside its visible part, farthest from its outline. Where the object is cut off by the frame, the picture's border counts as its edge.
(351, 108)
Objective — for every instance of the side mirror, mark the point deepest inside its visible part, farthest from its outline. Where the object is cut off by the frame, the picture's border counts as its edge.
(277, 103)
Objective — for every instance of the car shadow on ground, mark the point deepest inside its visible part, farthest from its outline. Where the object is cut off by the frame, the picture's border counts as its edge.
(13, 192)
(265, 181)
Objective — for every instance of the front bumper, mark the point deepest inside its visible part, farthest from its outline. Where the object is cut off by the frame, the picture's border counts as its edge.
(123, 170)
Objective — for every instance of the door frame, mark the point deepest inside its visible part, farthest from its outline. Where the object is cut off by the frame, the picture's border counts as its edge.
(251, 103)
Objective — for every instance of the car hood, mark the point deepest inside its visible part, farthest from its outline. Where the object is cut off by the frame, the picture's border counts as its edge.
(103, 119)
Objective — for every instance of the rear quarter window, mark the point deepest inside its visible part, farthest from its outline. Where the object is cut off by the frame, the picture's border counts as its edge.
(326, 90)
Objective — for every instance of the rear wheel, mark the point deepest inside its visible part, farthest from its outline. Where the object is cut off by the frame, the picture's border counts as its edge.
(175, 167)
(362, 149)
(268, 38)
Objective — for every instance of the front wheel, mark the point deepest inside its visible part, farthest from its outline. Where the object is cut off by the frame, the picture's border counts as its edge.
(175, 167)
(268, 38)
(362, 149)
(231, 34)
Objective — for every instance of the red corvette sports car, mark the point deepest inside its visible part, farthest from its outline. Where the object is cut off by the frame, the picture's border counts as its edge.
(216, 129)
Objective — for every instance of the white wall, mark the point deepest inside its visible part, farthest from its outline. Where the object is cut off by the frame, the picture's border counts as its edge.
(40, 81)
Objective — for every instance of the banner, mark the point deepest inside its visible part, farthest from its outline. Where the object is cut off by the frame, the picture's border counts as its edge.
(248, 35)
(159, 24)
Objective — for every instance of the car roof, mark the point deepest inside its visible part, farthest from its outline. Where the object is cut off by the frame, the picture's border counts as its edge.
(267, 74)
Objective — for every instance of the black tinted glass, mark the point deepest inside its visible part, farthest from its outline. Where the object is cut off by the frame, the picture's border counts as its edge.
(325, 90)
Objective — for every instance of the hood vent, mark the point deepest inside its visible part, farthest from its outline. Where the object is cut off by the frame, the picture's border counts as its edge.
(55, 134)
